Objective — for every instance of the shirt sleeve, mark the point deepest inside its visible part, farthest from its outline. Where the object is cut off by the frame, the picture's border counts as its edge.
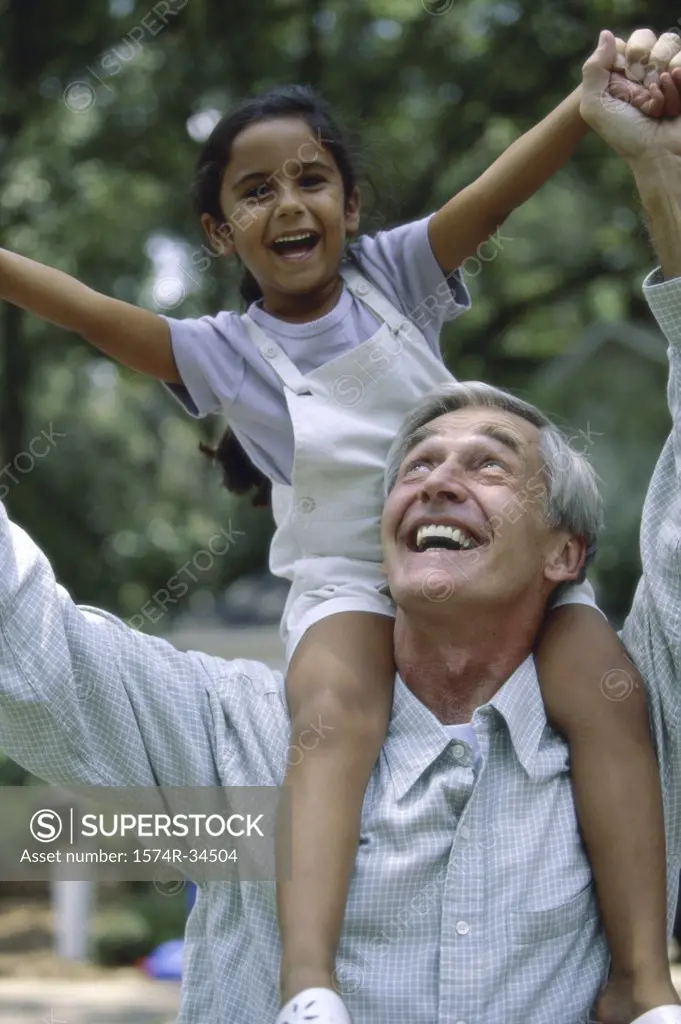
(86, 700)
(659, 594)
(652, 631)
(208, 359)
(402, 265)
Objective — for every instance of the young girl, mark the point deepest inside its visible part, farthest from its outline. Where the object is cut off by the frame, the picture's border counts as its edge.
(338, 344)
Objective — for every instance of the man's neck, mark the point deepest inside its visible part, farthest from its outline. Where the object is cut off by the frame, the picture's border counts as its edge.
(456, 664)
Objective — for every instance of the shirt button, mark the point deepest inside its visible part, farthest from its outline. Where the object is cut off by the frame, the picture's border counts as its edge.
(458, 750)
(362, 289)
(465, 832)
(307, 505)
(269, 351)
(463, 927)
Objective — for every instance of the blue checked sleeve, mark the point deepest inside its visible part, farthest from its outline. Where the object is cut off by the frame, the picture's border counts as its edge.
(86, 700)
(660, 588)
(652, 631)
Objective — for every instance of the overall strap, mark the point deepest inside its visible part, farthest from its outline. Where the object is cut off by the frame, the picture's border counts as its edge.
(364, 290)
(285, 368)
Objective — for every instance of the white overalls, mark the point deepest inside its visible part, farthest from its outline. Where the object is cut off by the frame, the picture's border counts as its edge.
(345, 416)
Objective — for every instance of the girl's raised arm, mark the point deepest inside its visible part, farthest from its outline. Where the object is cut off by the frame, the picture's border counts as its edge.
(135, 337)
(474, 214)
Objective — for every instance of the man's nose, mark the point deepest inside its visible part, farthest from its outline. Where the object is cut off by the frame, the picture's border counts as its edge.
(445, 482)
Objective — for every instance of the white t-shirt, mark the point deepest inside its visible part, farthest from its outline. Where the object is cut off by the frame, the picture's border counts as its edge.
(222, 371)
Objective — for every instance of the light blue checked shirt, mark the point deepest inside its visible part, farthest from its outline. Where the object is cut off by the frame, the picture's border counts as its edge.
(472, 898)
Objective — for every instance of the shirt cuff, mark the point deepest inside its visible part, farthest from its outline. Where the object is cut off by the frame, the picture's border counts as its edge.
(664, 299)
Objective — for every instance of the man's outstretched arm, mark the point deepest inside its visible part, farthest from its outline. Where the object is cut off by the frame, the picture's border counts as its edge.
(658, 178)
(86, 700)
(653, 151)
(659, 593)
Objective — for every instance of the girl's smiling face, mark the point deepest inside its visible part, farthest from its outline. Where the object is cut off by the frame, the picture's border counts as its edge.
(283, 198)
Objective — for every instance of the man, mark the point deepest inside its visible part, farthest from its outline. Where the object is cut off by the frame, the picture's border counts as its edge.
(85, 700)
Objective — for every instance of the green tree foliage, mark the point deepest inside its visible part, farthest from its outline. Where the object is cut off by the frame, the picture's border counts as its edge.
(102, 109)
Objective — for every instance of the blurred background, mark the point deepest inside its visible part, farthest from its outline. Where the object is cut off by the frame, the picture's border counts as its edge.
(103, 108)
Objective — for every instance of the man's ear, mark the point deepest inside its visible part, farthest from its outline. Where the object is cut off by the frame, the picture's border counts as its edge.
(352, 210)
(565, 559)
(220, 236)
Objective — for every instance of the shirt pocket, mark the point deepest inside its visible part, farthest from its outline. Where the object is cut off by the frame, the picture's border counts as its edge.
(529, 927)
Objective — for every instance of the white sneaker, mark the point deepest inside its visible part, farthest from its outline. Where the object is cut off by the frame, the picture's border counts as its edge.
(660, 1015)
(324, 1006)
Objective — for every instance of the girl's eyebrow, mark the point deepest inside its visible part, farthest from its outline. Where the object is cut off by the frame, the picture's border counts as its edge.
(306, 165)
(247, 177)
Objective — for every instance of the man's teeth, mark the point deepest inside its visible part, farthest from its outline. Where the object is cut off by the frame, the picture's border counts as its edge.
(451, 533)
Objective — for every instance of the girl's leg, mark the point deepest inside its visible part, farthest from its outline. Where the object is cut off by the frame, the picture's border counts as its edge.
(595, 697)
(340, 687)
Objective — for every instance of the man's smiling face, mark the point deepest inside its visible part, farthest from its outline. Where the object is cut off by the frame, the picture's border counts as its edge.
(452, 528)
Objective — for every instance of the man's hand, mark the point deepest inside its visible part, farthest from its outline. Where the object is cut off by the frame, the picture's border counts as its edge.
(645, 56)
(627, 111)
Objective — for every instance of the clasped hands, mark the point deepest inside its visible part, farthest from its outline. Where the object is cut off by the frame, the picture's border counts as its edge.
(631, 93)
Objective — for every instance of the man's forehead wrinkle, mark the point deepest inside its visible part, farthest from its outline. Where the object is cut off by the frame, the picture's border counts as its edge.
(505, 435)
(423, 433)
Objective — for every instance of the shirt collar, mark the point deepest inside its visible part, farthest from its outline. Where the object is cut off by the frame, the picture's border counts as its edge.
(292, 332)
(520, 704)
(416, 738)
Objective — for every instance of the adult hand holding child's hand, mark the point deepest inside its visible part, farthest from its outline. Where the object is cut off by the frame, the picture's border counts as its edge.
(632, 93)
(644, 57)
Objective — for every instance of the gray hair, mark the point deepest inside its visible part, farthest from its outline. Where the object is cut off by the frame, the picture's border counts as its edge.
(572, 500)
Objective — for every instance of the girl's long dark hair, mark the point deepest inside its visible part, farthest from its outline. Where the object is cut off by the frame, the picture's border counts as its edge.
(239, 474)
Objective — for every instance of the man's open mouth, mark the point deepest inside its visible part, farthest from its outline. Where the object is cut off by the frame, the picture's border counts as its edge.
(439, 535)
(295, 245)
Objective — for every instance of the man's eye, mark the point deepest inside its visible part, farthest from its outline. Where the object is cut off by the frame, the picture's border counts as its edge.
(491, 462)
(418, 465)
(310, 180)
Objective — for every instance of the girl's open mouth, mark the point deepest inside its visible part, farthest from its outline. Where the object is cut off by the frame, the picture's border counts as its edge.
(295, 246)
